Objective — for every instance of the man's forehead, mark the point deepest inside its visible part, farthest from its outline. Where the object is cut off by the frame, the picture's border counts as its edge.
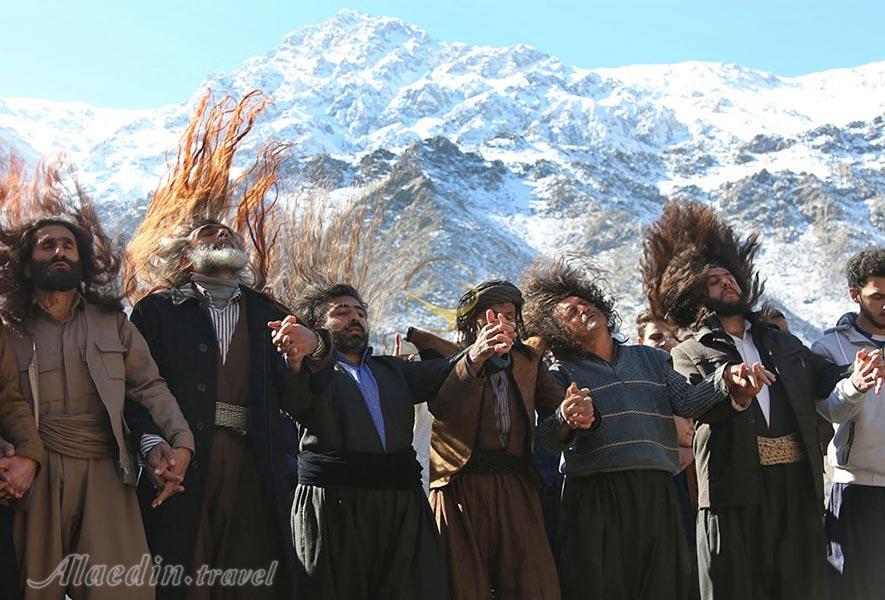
(573, 301)
(54, 231)
(345, 302)
(714, 271)
(209, 228)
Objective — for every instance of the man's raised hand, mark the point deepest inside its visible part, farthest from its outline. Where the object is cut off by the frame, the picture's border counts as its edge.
(496, 337)
(577, 408)
(293, 340)
(744, 382)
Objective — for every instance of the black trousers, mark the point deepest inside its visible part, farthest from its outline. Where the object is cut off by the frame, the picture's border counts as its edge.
(362, 544)
(856, 535)
(8, 573)
(775, 550)
(622, 538)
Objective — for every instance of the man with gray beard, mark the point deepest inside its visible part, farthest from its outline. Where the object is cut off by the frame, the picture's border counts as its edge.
(210, 338)
(194, 270)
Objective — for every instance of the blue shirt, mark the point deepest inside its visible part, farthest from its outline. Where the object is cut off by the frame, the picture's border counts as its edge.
(365, 381)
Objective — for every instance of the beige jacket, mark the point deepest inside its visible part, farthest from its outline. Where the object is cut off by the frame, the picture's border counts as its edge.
(16, 419)
(121, 368)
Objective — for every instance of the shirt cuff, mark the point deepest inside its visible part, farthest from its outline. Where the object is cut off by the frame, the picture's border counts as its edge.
(148, 442)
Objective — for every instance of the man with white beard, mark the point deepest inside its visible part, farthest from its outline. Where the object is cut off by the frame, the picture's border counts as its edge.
(200, 256)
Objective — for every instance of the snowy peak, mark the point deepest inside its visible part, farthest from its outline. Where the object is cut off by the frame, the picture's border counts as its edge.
(495, 154)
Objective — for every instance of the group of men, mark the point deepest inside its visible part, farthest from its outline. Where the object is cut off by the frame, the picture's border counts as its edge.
(195, 392)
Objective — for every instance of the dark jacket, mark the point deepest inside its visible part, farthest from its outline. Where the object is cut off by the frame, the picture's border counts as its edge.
(334, 416)
(183, 342)
(729, 473)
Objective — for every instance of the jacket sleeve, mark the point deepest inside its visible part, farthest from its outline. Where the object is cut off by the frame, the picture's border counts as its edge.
(555, 433)
(16, 419)
(425, 378)
(549, 395)
(460, 395)
(145, 387)
(137, 417)
(845, 401)
(685, 367)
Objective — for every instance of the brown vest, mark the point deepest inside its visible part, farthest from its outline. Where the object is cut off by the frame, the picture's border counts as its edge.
(233, 375)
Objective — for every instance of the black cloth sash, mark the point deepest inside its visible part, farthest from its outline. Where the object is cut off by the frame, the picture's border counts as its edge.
(360, 469)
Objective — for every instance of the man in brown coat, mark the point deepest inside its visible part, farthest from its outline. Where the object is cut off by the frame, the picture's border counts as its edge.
(78, 358)
(482, 478)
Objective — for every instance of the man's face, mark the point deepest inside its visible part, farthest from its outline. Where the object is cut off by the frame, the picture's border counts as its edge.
(871, 301)
(582, 320)
(722, 286)
(55, 259)
(659, 335)
(505, 309)
(724, 295)
(215, 249)
(346, 321)
(684, 431)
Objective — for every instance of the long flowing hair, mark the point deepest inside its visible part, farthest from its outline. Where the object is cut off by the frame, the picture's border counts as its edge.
(31, 199)
(199, 188)
(678, 250)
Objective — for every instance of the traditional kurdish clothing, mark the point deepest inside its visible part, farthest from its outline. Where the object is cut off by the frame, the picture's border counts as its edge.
(621, 533)
(760, 533)
(484, 487)
(216, 354)
(361, 524)
(76, 373)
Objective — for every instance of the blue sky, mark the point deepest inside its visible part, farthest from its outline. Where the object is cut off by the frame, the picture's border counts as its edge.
(143, 54)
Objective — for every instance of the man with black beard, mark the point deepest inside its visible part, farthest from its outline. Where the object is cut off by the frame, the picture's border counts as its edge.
(760, 533)
(361, 523)
(78, 359)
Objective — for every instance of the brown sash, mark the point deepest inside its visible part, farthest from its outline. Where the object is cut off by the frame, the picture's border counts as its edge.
(78, 436)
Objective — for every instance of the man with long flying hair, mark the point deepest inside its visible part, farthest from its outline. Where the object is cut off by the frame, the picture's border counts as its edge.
(760, 478)
(202, 253)
(79, 359)
(621, 525)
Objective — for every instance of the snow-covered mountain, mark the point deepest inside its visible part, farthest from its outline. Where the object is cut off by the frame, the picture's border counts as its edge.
(489, 156)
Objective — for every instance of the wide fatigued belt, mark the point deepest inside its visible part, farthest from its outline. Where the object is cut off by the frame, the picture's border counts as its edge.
(232, 417)
(491, 462)
(782, 450)
(79, 436)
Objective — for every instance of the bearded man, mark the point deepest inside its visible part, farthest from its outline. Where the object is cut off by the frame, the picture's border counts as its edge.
(360, 520)
(621, 531)
(760, 477)
(484, 485)
(78, 359)
(207, 327)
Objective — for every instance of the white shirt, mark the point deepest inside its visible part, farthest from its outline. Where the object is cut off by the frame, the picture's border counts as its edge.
(750, 354)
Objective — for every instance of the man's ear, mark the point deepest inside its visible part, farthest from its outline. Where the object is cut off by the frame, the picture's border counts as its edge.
(855, 294)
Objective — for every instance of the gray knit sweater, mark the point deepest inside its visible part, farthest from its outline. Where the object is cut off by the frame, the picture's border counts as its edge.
(637, 395)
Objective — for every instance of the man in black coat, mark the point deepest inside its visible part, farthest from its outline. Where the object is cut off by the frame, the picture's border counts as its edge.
(210, 339)
(361, 522)
(760, 480)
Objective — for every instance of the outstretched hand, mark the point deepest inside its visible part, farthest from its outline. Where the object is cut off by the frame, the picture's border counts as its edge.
(166, 468)
(744, 382)
(577, 408)
(869, 371)
(496, 337)
(293, 340)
